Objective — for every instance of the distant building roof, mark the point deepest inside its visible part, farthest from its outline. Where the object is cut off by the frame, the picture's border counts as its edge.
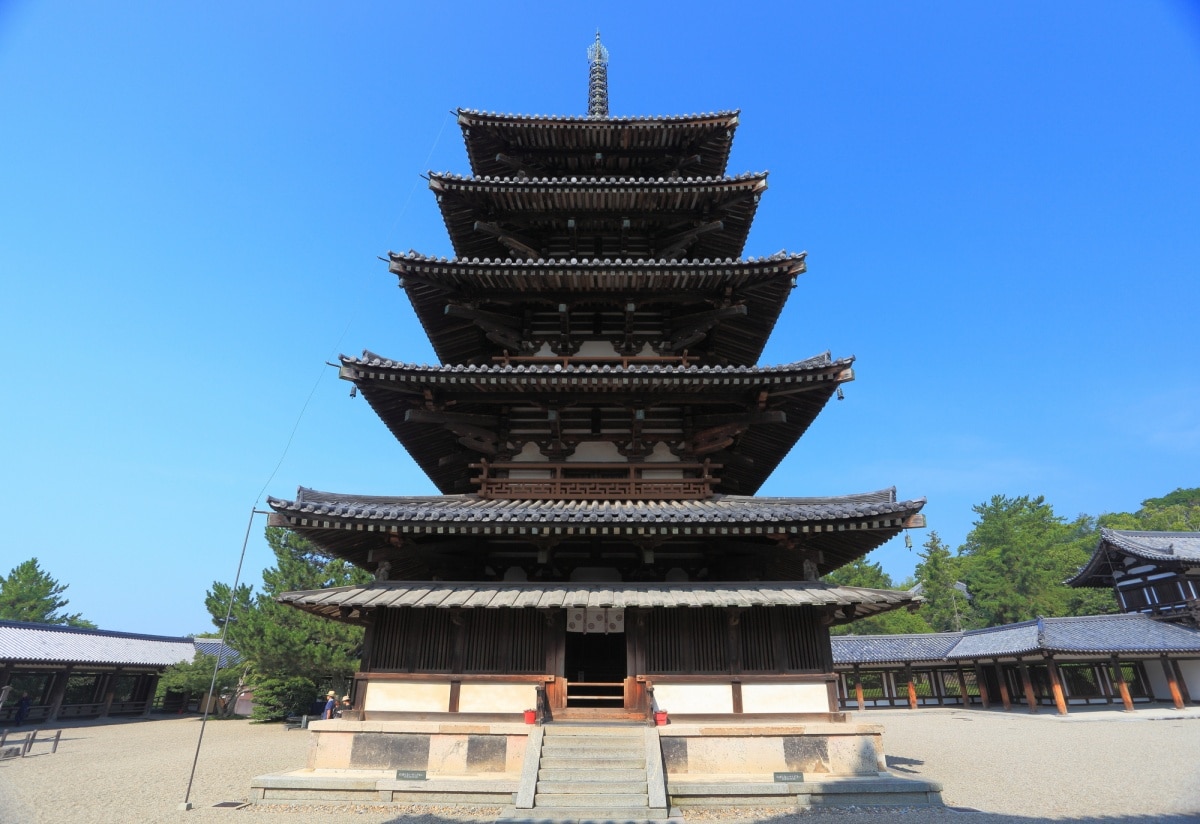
(22, 641)
(1172, 550)
(1129, 634)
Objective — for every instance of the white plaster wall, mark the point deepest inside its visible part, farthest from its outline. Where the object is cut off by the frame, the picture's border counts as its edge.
(497, 697)
(1158, 680)
(1191, 677)
(694, 698)
(785, 698)
(399, 696)
(592, 451)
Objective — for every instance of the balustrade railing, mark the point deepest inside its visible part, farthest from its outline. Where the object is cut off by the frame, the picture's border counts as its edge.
(595, 481)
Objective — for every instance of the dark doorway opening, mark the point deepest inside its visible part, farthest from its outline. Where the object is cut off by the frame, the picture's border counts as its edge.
(595, 670)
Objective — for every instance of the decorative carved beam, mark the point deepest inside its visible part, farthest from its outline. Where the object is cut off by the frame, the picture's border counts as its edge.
(671, 246)
(517, 243)
(425, 416)
(500, 329)
(691, 329)
(742, 418)
(517, 165)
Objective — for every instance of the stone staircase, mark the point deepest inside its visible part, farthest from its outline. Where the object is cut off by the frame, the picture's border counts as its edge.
(600, 772)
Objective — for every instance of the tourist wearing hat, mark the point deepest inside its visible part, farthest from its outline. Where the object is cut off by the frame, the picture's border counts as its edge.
(330, 705)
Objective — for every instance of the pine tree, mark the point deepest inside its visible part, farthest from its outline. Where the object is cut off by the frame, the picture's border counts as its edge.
(944, 607)
(28, 593)
(862, 573)
(280, 641)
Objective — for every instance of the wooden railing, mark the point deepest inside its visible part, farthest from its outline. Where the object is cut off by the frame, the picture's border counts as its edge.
(632, 485)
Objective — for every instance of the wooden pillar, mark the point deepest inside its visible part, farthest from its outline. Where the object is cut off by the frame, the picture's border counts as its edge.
(1060, 699)
(1104, 679)
(912, 687)
(981, 682)
(962, 686)
(1122, 687)
(1172, 683)
(1027, 686)
(858, 689)
(1187, 699)
(148, 686)
(58, 691)
(1005, 698)
(108, 684)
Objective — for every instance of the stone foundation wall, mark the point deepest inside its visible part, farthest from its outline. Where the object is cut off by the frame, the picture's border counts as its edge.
(437, 749)
(815, 750)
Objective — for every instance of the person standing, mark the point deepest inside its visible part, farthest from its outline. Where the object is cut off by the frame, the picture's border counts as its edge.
(23, 704)
(330, 705)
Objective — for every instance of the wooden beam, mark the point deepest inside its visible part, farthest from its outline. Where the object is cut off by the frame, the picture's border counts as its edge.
(1172, 683)
(517, 243)
(746, 419)
(1123, 687)
(1060, 701)
(428, 416)
(670, 246)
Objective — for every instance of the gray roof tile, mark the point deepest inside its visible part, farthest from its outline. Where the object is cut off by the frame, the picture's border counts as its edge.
(23, 641)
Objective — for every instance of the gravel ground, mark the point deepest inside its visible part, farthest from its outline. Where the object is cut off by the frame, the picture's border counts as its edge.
(1091, 766)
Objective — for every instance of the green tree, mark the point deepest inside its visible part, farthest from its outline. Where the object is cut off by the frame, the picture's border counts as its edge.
(1178, 511)
(862, 573)
(1016, 558)
(28, 593)
(944, 607)
(194, 677)
(278, 641)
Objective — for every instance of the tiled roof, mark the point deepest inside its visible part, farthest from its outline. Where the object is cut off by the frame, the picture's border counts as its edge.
(1168, 549)
(598, 184)
(28, 642)
(606, 267)
(760, 285)
(346, 603)
(632, 516)
(572, 377)
(582, 119)
(697, 144)
(1127, 634)
(880, 649)
(1166, 546)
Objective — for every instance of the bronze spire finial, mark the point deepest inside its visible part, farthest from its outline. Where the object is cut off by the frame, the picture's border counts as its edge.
(598, 79)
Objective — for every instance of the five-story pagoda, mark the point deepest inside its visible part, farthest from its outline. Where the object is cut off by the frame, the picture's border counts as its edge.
(598, 429)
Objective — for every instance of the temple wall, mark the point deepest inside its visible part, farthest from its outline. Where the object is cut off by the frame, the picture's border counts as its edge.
(436, 749)
(760, 751)
(1191, 677)
(786, 698)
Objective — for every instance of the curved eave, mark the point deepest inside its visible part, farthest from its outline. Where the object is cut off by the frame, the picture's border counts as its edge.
(537, 209)
(1166, 550)
(352, 604)
(843, 528)
(799, 391)
(763, 284)
(570, 144)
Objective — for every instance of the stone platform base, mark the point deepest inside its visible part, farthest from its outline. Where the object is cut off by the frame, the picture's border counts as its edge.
(784, 762)
(381, 786)
(881, 790)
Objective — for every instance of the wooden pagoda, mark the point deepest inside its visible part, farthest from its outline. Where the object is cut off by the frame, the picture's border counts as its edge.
(598, 427)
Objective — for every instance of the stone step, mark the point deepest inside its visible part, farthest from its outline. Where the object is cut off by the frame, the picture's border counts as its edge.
(559, 742)
(590, 815)
(594, 730)
(582, 759)
(612, 803)
(607, 788)
(591, 774)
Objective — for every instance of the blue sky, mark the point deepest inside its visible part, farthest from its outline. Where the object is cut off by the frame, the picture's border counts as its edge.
(1001, 205)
